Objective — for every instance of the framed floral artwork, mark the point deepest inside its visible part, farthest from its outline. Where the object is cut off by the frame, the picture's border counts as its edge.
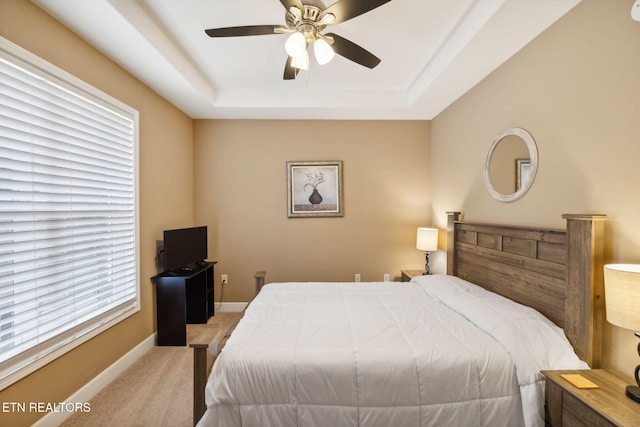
(314, 189)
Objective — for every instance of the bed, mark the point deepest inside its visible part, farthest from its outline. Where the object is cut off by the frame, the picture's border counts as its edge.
(437, 351)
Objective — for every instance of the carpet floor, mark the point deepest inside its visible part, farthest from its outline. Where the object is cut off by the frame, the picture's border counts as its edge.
(157, 390)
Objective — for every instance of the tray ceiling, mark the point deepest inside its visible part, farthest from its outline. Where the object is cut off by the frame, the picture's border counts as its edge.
(432, 52)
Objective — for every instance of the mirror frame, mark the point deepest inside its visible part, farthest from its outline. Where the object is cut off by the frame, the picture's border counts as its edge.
(533, 156)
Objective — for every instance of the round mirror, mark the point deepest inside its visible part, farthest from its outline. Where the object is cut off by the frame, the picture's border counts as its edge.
(511, 165)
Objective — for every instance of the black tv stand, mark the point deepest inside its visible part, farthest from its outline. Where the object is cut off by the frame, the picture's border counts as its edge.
(183, 296)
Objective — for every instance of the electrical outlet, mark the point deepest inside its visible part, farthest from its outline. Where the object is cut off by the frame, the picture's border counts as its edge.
(385, 278)
(225, 279)
(357, 278)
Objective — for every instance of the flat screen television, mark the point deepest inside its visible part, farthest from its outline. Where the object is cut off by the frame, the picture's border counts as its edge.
(184, 247)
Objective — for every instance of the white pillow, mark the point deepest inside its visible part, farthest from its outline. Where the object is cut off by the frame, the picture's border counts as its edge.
(533, 341)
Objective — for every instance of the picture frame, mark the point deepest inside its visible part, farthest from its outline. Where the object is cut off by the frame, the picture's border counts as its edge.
(523, 172)
(314, 189)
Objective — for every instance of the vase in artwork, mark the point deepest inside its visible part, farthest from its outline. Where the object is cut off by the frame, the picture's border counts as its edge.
(315, 198)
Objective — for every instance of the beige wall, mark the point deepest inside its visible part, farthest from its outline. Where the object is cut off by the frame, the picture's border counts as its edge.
(576, 89)
(242, 197)
(166, 194)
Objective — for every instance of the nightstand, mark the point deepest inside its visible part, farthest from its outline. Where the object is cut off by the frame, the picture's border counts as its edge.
(407, 275)
(567, 405)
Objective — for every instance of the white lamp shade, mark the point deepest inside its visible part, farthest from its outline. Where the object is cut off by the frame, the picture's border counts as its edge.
(427, 239)
(296, 45)
(301, 62)
(323, 51)
(622, 295)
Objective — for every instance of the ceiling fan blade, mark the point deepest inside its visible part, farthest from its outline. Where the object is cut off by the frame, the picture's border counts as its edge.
(290, 72)
(251, 30)
(289, 3)
(344, 10)
(353, 52)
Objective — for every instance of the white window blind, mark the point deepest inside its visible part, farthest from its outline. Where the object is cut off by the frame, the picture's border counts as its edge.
(68, 212)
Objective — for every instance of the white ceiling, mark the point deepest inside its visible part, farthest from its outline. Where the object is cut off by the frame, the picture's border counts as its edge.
(432, 52)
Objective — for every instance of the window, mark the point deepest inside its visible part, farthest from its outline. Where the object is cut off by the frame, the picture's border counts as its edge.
(68, 212)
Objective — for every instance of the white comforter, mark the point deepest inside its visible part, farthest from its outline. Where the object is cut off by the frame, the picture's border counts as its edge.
(384, 354)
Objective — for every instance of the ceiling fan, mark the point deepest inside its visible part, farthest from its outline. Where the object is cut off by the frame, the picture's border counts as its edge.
(305, 21)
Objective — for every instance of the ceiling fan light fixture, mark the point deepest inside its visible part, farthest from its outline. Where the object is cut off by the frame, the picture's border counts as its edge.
(301, 62)
(296, 45)
(323, 51)
(305, 22)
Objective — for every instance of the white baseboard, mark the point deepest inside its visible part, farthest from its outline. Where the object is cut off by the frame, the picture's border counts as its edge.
(93, 387)
(234, 307)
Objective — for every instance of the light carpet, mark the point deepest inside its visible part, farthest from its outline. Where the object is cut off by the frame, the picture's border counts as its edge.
(157, 390)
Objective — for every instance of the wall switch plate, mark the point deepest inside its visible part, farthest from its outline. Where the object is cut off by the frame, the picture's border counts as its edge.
(386, 277)
(224, 279)
(357, 277)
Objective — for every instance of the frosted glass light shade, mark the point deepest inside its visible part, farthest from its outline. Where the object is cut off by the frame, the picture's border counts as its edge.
(427, 239)
(296, 45)
(301, 62)
(323, 51)
(622, 295)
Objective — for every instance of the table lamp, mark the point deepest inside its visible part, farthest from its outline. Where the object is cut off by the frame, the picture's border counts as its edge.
(622, 301)
(427, 240)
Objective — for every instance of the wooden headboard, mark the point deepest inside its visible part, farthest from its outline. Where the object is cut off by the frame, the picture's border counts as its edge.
(557, 272)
